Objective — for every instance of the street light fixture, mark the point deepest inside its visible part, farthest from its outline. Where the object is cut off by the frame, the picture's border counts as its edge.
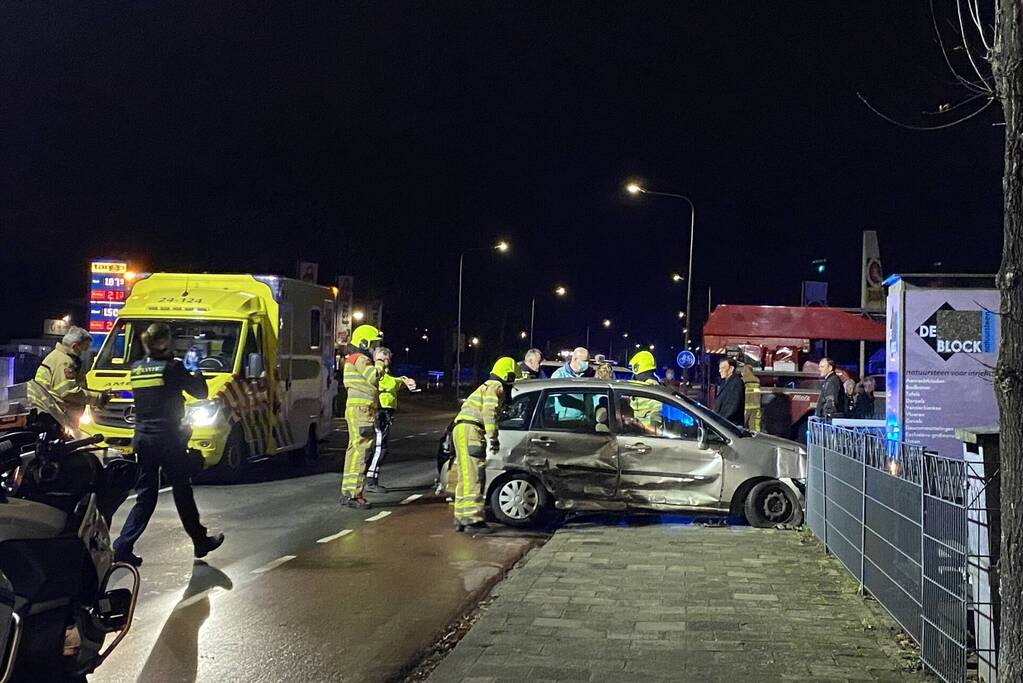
(635, 189)
(523, 334)
(502, 247)
(607, 323)
(681, 315)
(675, 277)
(559, 290)
(475, 341)
(357, 316)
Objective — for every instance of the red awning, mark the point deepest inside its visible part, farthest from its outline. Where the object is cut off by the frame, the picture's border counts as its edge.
(791, 322)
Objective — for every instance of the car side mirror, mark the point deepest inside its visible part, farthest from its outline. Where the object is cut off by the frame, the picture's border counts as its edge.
(701, 438)
(255, 366)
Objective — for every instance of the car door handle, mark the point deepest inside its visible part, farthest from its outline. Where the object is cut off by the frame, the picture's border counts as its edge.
(543, 441)
(637, 448)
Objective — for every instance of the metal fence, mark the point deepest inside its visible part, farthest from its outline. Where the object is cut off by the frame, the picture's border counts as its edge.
(897, 518)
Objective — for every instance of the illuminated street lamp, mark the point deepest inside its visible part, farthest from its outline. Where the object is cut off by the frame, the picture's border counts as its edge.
(675, 277)
(560, 291)
(651, 347)
(681, 315)
(502, 247)
(358, 315)
(634, 188)
(523, 334)
(607, 323)
(475, 341)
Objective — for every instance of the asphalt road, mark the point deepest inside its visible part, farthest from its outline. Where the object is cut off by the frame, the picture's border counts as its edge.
(304, 589)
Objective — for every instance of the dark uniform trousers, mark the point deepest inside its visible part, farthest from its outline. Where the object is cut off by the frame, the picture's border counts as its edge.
(156, 451)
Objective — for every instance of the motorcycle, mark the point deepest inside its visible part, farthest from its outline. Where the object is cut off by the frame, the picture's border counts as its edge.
(57, 606)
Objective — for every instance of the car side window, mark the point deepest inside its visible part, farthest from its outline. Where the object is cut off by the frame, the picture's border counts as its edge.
(515, 414)
(645, 415)
(584, 412)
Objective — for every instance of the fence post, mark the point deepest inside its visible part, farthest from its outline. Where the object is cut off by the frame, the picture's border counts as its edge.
(923, 556)
(824, 483)
(863, 507)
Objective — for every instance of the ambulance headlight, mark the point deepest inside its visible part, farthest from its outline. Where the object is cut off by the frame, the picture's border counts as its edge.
(202, 413)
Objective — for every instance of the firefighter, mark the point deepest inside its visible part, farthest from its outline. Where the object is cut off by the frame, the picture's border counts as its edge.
(161, 443)
(62, 372)
(389, 386)
(362, 382)
(475, 425)
(647, 411)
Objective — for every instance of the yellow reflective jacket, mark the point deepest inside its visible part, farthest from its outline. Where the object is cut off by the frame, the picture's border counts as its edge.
(389, 387)
(482, 407)
(362, 380)
(63, 374)
(648, 410)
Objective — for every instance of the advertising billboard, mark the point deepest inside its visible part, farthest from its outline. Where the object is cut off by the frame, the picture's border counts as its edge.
(942, 349)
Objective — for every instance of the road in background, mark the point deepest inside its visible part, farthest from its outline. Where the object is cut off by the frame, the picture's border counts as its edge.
(305, 589)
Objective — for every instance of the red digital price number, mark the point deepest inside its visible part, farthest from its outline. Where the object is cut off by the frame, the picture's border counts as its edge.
(107, 295)
(103, 326)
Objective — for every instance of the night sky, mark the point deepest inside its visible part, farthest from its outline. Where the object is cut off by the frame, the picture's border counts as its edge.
(380, 139)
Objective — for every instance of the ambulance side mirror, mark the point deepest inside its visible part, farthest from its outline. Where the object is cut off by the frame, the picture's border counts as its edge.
(255, 366)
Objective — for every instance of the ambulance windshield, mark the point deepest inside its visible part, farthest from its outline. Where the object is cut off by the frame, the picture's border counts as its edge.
(214, 344)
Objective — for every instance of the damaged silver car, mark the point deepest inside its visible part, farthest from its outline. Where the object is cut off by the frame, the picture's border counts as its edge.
(576, 445)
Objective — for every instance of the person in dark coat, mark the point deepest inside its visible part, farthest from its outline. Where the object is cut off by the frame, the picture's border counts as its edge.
(863, 405)
(730, 399)
(831, 402)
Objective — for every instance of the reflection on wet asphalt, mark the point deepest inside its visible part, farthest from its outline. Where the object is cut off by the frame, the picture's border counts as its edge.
(304, 589)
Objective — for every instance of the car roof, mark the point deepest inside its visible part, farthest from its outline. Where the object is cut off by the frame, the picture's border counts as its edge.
(557, 364)
(588, 383)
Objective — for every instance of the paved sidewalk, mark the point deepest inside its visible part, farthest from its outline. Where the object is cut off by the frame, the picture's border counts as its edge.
(670, 602)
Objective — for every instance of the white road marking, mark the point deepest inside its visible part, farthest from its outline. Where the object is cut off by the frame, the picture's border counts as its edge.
(378, 516)
(274, 564)
(414, 496)
(334, 537)
(165, 489)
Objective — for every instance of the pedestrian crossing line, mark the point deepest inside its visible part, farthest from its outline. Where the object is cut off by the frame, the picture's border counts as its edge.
(274, 564)
(334, 537)
(165, 489)
(414, 496)
(378, 516)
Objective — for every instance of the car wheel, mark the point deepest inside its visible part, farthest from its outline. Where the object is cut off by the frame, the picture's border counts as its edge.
(232, 461)
(519, 501)
(770, 503)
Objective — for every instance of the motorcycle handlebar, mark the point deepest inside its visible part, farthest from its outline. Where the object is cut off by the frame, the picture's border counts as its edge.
(80, 443)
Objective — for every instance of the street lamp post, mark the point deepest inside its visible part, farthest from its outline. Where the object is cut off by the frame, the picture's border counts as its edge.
(558, 291)
(634, 188)
(501, 247)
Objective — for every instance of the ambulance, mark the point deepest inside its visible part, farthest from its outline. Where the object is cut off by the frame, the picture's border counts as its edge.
(265, 346)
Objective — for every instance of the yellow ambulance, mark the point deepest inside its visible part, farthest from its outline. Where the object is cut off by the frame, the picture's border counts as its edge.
(265, 346)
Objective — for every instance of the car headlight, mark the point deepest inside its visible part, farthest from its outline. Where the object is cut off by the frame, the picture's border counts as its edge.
(202, 413)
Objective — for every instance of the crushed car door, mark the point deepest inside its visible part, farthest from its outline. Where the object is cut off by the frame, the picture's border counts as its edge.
(571, 447)
(662, 463)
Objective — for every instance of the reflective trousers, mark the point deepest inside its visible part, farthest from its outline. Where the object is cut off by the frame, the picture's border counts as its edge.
(361, 419)
(470, 463)
(384, 420)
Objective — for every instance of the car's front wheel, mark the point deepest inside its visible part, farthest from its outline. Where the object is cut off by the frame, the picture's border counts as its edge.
(519, 501)
(770, 503)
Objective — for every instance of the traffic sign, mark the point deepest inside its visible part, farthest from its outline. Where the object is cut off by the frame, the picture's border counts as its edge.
(686, 359)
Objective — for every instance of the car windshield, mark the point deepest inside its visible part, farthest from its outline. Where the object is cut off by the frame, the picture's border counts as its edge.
(739, 429)
(215, 342)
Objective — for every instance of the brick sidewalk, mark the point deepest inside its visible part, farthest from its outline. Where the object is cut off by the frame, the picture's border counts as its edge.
(667, 602)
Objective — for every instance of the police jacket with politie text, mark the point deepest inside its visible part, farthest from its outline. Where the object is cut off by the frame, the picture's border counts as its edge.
(157, 384)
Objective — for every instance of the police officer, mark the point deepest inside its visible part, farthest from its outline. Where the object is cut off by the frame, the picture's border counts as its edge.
(362, 382)
(388, 396)
(646, 410)
(161, 443)
(475, 425)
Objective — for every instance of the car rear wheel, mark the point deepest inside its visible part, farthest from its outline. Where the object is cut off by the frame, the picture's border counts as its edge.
(770, 503)
(519, 501)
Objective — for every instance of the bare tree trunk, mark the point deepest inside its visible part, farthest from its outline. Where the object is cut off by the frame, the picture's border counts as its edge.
(1007, 66)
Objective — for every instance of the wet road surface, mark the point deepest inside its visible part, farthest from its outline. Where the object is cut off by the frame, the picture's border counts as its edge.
(303, 589)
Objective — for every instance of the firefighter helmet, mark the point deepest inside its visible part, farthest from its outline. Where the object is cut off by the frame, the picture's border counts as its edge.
(365, 335)
(505, 369)
(642, 362)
